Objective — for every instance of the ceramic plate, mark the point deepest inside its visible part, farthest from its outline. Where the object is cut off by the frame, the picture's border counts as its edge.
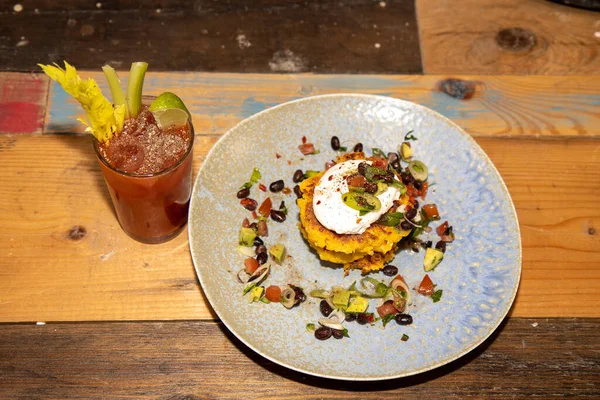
(479, 275)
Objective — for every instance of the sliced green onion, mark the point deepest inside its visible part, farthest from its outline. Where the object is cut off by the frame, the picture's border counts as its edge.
(418, 170)
(254, 178)
(361, 201)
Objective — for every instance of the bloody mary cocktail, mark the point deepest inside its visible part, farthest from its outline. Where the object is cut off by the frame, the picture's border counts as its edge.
(144, 149)
(148, 171)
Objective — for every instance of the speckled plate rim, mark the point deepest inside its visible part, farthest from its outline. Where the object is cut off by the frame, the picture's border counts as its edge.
(425, 109)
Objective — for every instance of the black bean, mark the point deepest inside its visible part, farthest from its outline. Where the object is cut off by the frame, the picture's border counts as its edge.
(418, 185)
(390, 270)
(389, 178)
(253, 226)
(428, 244)
(297, 191)
(337, 333)
(350, 317)
(249, 204)
(260, 249)
(262, 258)
(277, 186)
(392, 157)
(416, 204)
(325, 308)
(277, 216)
(358, 147)
(410, 214)
(282, 205)
(396, 165)
(370, 187)
(323, 333)
(407, 179)
(406, 225)
(362, 168)
(243, 193)
(403, 319)
(335, 143)
(298, 176)
(441, 246)
(258, 241)
(363, 318)
(299, 297)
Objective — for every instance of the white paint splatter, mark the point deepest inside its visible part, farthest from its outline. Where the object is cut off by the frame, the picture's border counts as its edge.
(597, 34)
(243, 42)
(22, 42)
(286, 61)
(40, 323)
(17, 8)
(382, 4)
(108, 255)
(377, 45)
(158, 10)
(98, 5)
(535, 324)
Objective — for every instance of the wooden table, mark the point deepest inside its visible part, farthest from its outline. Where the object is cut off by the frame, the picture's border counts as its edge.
(87, 312)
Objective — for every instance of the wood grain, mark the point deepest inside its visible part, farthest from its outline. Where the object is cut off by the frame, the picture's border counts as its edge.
(510, 37)
(358, 36)
(523, 107)
(202, 360)
(51, 184)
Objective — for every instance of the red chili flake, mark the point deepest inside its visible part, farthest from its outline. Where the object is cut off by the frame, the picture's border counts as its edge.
(277, 155)
(289, 162)
(262, 187)
(318, 202)
(303, 139)
(329, 164)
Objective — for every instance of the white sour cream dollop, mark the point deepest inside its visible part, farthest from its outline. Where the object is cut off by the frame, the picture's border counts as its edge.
(331, 211)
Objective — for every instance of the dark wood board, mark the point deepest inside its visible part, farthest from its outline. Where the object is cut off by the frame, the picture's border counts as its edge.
(356, 36)
(202, 360)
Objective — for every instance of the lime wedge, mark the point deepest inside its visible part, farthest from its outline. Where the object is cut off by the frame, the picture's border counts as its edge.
(168, 100)
(169, 117)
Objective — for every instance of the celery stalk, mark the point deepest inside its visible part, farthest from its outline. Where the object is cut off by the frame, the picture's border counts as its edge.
(134, 87)
(115, 88)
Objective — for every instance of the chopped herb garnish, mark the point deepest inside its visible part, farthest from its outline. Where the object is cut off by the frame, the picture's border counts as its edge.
(387, 318)
(310, 173)
(249, 288)
(265, 300)
(404, 337)
(391, 219)
(437, 295)
(310, 327)
(343, 149)
(345, 333)
(410, 136)
(378, 153)
(253, 179)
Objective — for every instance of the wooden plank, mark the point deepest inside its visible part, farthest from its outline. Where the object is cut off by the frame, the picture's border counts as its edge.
(23, 102)
(50, 184)
(524, 107)
(201, 360)
(359, 36)
(509, 37)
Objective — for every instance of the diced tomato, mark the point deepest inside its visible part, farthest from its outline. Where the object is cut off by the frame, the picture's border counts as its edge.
(357, 181)
(426, 286)
(441, 230)
(411, 191)
(380, 163)
(303, 139)
(251, 265)
(262, 187)
(265, 207)
(262, 229)
(273, 293)
(329, 164)
(254, 215)
(307, 148)
(424, 190)
(398, 281)
(431, 211)
(245, 223)
(385, 309)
